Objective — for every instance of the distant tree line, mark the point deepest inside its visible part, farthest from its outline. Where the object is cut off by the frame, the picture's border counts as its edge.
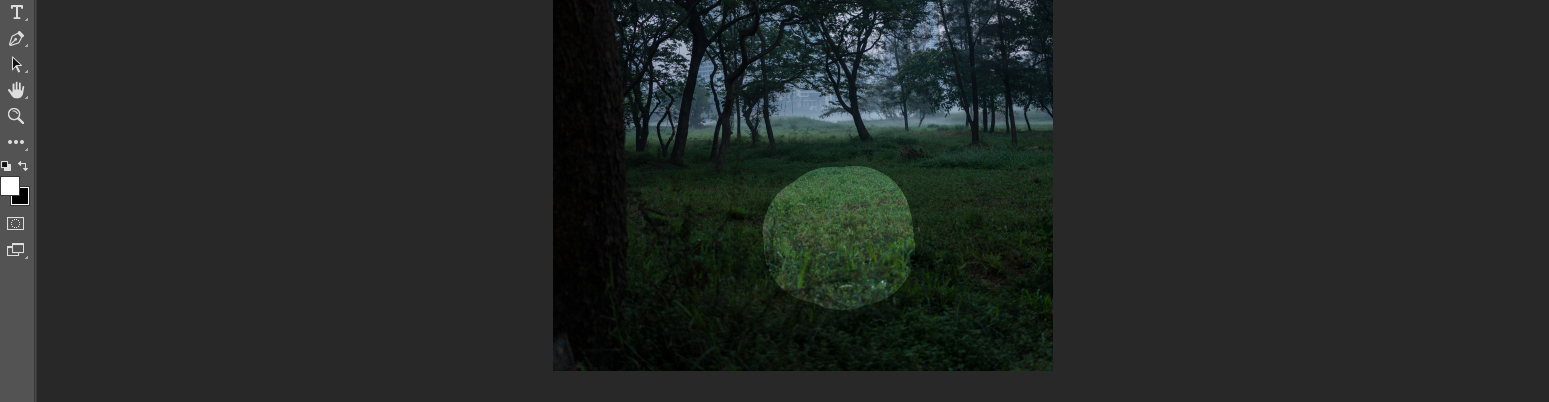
(897, 58)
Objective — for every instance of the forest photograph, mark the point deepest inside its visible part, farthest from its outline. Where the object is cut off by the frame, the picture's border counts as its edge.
(803, 185)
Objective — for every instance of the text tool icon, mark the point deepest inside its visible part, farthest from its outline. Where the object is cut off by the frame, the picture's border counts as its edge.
(15, 114)
(15, 249)
(17, 37)
(18, 9)
(16, 65)
(15, 223)
(16, 90)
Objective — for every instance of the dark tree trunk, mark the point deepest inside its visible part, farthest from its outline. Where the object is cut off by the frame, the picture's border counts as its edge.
(992, 120)
(855, 106)
(747, 116)
(764, 72)
(644, 107)
(973, 74)
(768, 127)
(715, 131)
(666, 115)
(635, 118)
(1024, 117)
(725, 122)
(1011, 118)
(722, 131)
(1005, 72)
(957, 75)
(697, 47)
(979, 118)
(589, 231)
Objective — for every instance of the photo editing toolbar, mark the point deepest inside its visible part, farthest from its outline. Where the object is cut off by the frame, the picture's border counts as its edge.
(18, 198)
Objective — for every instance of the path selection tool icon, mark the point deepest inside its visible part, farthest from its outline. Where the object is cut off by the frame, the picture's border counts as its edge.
(16, 65)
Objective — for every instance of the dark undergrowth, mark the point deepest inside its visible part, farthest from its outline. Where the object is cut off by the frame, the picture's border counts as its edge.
(979, 295)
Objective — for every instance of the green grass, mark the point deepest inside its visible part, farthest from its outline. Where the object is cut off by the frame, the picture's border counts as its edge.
(979, 290)
(839, 237)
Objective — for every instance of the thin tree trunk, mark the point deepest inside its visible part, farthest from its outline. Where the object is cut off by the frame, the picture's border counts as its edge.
(992, 120)
(731, 96)
(752, 122)
(957, 70)
(696, 56)
(768, 127)
(643, 120)
(715, 133)
(698, 43)
(1005, 72)
(1011, 118)
(764, 71)
(725, 123)
(666, 115)
(973, 74)
(855, 106)
(589, 151)
(1024, 117)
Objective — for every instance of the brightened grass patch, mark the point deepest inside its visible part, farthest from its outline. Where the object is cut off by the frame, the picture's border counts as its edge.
(839, 237)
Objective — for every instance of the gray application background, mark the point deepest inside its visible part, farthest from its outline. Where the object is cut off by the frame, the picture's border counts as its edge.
(18, 290)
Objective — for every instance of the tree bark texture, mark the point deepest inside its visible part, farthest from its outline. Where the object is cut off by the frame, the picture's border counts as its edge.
(589, 150)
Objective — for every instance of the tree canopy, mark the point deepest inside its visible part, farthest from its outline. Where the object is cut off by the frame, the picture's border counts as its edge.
(903, 58)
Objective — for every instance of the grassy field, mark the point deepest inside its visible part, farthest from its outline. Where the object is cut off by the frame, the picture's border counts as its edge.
(839, 237)
(703, 288)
